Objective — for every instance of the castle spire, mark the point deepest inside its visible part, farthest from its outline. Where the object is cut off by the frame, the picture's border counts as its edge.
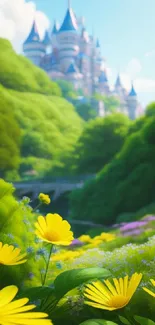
(70, 21)
(132, 93)
(69, 4)
(33, 35)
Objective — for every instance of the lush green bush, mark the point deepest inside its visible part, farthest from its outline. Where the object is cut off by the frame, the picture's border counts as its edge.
(125, 185)
(101, 139)
(46, 134)
(16, 228)
(86, 111)
(10, 139)
(18, 73)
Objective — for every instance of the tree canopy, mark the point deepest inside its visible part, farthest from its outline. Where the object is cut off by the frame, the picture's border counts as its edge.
(86, 111)
(125, 185)
(18, 73)
(101, 139)
(10, 139)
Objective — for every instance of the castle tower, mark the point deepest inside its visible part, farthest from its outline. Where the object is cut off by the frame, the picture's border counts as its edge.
(103, 83)
(118, 84)
(132, 103)
(47, 43)
(74, 76)
(54, 35)
(33, 48)
(98, 60)
(68, 40)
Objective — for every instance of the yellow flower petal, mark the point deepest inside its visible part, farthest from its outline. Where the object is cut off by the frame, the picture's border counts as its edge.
(110, 287)
(9, 255)
(98, 306)
(126, 278)
(7, 294)
(117, 286)
(149, 292)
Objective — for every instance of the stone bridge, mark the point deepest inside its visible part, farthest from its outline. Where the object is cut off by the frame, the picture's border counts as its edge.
(58, 186)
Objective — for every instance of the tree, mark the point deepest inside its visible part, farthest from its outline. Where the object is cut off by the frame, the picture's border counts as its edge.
(10, 141)
(100, 141)
(67, 89)
(150, 109)
(21, 74)
(111, 103)
(125, 185)
(86, 111)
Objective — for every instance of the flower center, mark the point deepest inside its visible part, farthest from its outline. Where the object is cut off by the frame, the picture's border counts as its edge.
(118, 301)
(52, 236)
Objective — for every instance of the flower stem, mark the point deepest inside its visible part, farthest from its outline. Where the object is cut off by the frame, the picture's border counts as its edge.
(47, 265)
(38, 206)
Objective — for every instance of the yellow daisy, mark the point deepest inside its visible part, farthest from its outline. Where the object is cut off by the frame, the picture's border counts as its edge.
(9, 255)
(149, 291)
(44, 198)
(53, 229)
(85, 238)
(15, 312)
(111, 297)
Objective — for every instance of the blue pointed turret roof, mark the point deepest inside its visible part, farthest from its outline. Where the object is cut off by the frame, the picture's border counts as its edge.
(118, 81)
(55, 28)
(103, 77)
(34, 35)
(132, 92)
(72, 69)
(70, 22)
(46, 39)
(97, 43)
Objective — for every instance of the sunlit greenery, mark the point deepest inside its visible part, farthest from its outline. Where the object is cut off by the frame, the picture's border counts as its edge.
(126, 184)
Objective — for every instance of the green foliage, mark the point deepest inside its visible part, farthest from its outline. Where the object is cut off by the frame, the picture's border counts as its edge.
(101, 139)
(71, 279)
(67, 89)
(125, 185)
(45, 132)
(16, 228)
(111, 103)
(86, 111)
(18, 73)
(10, 139)
(150, 109)
(144, 321)
(98, 322)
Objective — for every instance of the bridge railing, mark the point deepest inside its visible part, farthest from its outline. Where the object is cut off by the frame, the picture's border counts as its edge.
(58, 180)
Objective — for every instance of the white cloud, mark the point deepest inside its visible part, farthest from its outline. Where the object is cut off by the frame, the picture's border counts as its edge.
(150, 53)
(133, 68)
(16, 18)
(145, 85)
(142, 85)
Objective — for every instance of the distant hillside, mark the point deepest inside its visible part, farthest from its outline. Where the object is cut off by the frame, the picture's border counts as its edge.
(49, 124)
(18, 73)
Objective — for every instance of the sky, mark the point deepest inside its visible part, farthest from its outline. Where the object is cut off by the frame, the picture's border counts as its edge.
(125, 29)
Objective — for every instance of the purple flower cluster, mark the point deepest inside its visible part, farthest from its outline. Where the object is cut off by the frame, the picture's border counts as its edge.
(76, 242)
(134, 228)
(150, 218)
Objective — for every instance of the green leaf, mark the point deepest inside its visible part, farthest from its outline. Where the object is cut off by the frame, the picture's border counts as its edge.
(36, 293)
(69, 280)
(144, 321)
(98, 322)
(124, 320)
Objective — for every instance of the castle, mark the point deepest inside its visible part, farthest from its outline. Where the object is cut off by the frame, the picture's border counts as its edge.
(71, 54)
